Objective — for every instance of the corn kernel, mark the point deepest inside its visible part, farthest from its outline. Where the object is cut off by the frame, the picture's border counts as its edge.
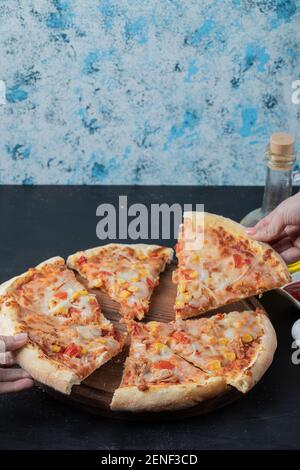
(79, 293)
(61, 311)
(230, 356)
(143, 272)
(133, 288)
(193, 275)
(247, 338)
(223, 341)
(134, 279)
(153, 325)
(159, 346)
(195, 258)
(125, 294)
(215, 365)
(181, 287)
(55, 348)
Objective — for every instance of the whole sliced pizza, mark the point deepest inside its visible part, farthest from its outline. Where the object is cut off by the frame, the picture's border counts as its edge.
(69, 337)
(218, 263)
(170, 365)
(179, 364)
(127, 273)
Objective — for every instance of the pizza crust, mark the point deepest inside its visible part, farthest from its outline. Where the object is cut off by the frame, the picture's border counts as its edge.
(146, 249)
(15, 281)
(166, 397)
(33, 360)
(264, 358)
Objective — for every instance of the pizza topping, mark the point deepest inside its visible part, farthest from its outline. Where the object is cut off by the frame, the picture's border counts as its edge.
(73, 350)
(247, 338)
(230, 356)
(189, 274)
(215, 365)
(181, 337)
(163, 365)
(239, 261)
(79, 294)
(61, 295)
(150, 282)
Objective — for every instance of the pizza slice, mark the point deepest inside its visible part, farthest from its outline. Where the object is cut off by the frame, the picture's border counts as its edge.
(156, 379)
(219, 264)
(69, 337)
(238, 346)
(127, 273)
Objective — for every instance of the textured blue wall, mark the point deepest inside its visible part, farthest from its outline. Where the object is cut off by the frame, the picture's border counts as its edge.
(145, 92)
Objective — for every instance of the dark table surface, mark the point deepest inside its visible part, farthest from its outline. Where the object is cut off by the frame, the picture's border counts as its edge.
(40, 222)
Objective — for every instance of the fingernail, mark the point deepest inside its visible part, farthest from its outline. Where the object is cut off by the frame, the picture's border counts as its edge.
(21, 337)
(251, 230)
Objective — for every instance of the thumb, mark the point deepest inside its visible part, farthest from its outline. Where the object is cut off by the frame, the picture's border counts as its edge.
(269, 228)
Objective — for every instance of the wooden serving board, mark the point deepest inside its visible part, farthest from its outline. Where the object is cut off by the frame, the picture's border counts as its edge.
(95, 393)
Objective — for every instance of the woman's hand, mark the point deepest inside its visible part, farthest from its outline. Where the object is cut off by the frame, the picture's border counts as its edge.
(12, 379)
(281, 228)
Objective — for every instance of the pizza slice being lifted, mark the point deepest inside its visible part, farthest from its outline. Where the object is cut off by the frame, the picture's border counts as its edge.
(68, 335)
(218, 263)
(156, 379)
(127, 273)
(238, 346)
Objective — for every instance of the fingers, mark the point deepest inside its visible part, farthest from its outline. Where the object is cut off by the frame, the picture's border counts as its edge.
(10, 375)
(11, 343)
(7, 359)
(14, 380)
(291, 254)
(15, 386)
(269, 228)
(282, 245)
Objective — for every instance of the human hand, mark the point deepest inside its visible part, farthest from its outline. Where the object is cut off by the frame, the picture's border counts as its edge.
(281, 228)
(12, 379)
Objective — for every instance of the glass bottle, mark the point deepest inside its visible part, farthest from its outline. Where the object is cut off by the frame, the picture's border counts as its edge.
(280, 156)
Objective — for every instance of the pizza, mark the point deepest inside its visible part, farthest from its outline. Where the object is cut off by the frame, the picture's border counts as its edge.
(238, 346)
(69, 337)
(218, 263)
(127, 273)
(156, 379)
(179, 364)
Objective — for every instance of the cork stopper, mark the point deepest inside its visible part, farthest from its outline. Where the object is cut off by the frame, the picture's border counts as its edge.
(282, 144)
(280, 152)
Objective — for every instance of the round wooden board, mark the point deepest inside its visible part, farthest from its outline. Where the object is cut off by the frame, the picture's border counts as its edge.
(95, 393)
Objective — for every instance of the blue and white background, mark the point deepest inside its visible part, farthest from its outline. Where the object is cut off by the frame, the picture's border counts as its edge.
(145, 91)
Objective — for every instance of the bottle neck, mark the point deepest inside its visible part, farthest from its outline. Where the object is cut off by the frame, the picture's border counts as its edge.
(278, 187)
